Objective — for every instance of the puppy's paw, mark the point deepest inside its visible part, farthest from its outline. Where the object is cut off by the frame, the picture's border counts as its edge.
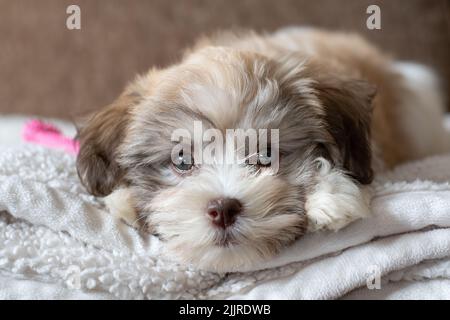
(120, 205)
(336, 200)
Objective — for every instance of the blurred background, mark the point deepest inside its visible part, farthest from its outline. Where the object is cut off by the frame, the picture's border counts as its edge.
(48, 70)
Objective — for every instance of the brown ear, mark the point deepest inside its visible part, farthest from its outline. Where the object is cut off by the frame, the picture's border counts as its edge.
(348, 115)
(99, 140)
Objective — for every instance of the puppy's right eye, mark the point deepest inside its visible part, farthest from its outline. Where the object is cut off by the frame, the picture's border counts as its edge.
(265, 158)
(183, 164)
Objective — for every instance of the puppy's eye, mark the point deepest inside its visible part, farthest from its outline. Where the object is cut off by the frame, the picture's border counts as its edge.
(184, 163)
(265, 158)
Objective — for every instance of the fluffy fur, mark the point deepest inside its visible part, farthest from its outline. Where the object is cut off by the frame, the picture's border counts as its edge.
(342, 109)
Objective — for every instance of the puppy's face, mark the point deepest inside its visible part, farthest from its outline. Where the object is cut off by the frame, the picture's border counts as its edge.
(222, 215)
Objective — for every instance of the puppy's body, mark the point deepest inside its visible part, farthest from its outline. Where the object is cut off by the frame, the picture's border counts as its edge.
(342, 109)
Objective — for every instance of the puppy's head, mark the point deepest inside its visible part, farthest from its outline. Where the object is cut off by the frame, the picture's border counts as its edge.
(223, 215)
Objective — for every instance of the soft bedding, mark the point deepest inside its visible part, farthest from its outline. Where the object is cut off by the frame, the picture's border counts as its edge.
(58, 242)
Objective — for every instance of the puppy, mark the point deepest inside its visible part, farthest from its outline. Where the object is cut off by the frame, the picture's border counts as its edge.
(341, 108)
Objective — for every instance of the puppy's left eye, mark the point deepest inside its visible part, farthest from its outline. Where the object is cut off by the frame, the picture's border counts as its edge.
(184, 163)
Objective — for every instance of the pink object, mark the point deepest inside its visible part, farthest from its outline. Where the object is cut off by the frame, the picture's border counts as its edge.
(36, 131)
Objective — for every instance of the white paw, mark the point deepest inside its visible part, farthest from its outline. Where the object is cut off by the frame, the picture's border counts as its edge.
(336, 200)
(120, 205)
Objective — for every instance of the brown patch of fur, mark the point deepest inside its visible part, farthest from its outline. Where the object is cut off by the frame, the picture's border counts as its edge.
(348, 114)
(99, 140)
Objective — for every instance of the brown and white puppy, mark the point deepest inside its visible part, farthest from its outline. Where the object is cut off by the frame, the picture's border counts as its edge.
(342, 109)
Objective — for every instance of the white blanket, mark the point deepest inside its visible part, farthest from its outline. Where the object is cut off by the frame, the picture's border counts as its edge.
(58, 242)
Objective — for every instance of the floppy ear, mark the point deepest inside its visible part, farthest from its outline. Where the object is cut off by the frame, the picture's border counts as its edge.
(348, 115)
(99, 139)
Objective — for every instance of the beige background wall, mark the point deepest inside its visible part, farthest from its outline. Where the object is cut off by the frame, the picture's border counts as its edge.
(48, 70)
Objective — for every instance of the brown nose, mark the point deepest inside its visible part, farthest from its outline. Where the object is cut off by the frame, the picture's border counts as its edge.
(223, 211)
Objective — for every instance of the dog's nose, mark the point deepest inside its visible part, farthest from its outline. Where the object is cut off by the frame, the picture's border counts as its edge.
(223, 211)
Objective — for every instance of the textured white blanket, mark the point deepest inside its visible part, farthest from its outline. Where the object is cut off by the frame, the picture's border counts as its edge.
(56, 241)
